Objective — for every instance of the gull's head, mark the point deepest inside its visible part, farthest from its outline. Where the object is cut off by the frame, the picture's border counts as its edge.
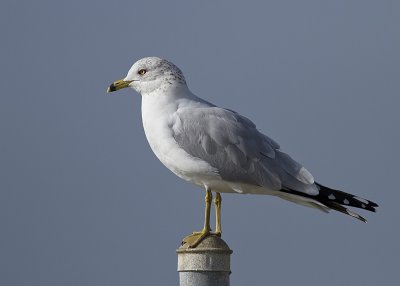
(150, 74)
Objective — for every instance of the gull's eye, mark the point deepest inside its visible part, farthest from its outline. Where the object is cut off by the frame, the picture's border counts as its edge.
(142, 71)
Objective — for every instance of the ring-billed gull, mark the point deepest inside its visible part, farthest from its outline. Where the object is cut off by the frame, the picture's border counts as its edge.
(219, 149)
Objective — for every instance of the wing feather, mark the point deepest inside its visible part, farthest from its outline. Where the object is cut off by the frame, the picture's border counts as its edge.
(232, 144)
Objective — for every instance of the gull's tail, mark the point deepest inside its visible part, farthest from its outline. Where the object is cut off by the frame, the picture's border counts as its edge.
(337, 200)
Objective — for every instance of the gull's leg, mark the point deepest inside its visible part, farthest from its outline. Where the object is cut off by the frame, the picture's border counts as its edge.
(208, 200)
(196, 237)
(217, 204)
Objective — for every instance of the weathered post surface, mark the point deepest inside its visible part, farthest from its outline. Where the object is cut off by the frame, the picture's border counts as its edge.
(206, 265)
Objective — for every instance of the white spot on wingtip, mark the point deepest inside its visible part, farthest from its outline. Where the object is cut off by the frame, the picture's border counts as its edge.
(346, 201)
(361, 200)
(331, 197)
(363, 206)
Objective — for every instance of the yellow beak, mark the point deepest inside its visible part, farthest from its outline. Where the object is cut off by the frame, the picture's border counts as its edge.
(118, 84)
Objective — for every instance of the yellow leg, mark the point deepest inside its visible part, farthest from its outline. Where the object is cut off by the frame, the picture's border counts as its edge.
(217, 204)
(196, 237)
(208, 200)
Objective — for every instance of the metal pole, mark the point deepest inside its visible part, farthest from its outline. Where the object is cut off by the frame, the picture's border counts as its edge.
(206, 265)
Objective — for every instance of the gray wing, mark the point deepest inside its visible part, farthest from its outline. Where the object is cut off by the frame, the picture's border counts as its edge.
(232, 144)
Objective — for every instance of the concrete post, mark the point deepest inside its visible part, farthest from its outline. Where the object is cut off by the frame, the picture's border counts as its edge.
(206, 265)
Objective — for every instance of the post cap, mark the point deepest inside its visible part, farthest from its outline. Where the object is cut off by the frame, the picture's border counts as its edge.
(211, 255)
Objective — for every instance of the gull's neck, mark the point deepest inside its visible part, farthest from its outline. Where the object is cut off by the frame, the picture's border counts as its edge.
(167, 100)
(169, 91)
(162, 103)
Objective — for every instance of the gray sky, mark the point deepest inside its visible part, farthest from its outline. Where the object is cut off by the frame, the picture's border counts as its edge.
(83, 201)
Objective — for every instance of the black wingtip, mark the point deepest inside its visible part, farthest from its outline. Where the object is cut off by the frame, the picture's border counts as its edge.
(331, 195)
(338, 201)
(337, 207)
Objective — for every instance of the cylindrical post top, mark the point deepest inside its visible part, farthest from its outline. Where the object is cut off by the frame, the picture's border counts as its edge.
(207, 264)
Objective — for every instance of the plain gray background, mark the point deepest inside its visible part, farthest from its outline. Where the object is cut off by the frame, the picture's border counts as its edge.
(83, 200)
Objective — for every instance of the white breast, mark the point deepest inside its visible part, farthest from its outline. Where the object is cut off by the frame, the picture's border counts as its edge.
(157, 115)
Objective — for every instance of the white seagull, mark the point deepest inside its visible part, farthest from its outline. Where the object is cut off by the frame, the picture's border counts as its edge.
(220, 150)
